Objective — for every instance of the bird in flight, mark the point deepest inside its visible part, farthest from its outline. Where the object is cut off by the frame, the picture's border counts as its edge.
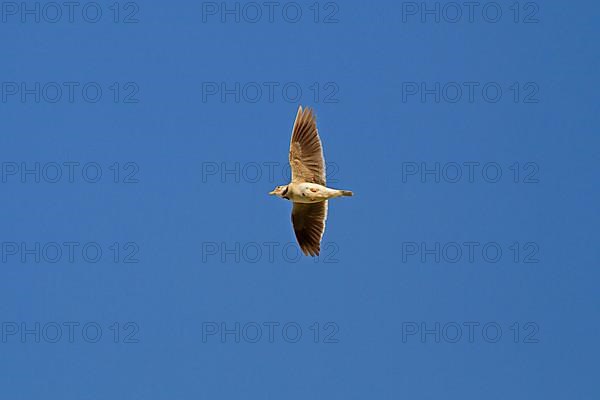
(308, 190)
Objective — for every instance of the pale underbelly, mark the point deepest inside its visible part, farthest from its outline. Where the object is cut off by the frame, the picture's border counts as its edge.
(310, 193)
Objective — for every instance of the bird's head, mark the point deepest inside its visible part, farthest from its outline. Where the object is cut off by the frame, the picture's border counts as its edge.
(279, 191)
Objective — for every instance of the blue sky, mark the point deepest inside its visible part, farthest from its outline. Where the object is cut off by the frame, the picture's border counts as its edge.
(142, 258)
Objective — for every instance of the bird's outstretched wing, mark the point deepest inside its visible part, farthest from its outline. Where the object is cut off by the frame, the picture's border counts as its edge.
(309, 224)
(306, 152)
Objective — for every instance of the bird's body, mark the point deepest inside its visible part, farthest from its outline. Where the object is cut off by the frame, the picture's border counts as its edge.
(308, 190)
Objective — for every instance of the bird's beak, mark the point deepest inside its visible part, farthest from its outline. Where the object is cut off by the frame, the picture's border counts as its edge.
(272, 193)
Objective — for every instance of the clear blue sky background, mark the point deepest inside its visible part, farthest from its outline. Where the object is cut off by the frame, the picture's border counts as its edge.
(371, 294)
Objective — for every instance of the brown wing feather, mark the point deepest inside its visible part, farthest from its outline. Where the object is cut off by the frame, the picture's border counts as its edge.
(306, 151)
(309, 225)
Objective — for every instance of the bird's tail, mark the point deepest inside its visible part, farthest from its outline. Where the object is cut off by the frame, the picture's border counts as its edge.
(346, 193)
